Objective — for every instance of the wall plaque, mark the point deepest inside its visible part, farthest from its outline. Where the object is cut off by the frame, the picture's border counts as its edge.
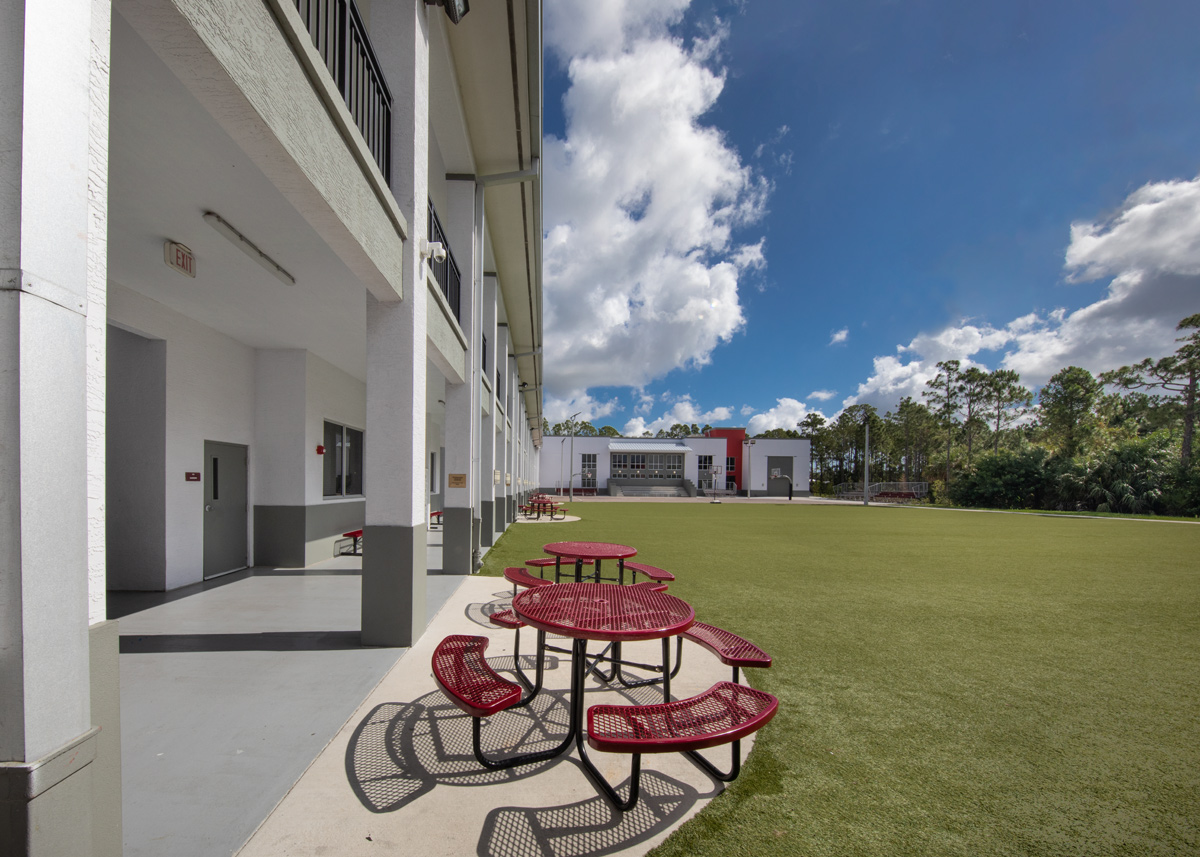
(456, 480)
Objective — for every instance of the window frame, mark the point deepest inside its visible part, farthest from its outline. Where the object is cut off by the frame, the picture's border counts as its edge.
(347, 459)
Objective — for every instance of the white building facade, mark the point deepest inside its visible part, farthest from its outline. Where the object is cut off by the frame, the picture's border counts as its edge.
(270, 272)
(693, 466)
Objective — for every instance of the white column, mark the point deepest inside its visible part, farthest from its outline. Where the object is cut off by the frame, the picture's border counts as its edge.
(495, 357)
(460, 519)
(53, 136)
(395, 550)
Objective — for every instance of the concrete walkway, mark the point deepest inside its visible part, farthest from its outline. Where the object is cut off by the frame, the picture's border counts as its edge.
(251, 712)
(229, 690)
(401, 777)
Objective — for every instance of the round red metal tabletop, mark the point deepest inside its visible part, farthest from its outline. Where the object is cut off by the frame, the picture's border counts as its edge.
(604, 611)
(590, 550)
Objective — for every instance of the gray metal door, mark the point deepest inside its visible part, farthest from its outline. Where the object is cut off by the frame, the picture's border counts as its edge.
(224, 507)
(779, 487)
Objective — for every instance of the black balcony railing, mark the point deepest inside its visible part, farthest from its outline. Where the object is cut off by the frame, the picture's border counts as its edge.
(339, 35)
(446, 271)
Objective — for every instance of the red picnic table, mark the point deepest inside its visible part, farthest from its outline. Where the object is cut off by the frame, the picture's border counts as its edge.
(547, 505)
(577, 552)
(601, 611)
(723, 714)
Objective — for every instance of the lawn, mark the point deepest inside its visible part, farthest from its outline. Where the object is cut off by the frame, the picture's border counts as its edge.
(949, 682)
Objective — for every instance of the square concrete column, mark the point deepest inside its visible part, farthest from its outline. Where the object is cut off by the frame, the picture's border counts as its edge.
(394, 537)
(494, 360)
(460, 518)
(54, 139)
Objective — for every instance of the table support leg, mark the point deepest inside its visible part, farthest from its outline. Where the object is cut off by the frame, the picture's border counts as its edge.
(543, 755)
(578, 660)
(665, 669)
(533, 687)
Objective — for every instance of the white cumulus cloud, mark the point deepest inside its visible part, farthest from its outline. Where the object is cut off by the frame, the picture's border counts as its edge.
(785, 415)
(822, 395)
(1150, 248)
(681, 411)
(839, 336)
(588, 407)
(642, 201)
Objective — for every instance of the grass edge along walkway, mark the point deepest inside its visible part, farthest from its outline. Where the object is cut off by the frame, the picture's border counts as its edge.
(966, 684)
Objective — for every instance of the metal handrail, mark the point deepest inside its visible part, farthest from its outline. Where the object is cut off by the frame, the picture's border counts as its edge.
(446, 271)
(340, 37)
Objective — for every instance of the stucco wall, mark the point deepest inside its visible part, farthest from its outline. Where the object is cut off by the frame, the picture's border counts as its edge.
(280, 432)
(210, 396)
(136, 449)
(330, 394)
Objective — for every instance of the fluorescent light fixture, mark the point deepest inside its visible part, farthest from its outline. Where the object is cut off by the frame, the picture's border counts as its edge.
(248, 247)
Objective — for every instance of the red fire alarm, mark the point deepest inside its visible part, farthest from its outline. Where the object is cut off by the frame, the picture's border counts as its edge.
(320, 449)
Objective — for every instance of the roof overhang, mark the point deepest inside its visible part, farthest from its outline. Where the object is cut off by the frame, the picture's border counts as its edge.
(648, 446)
(497, 53)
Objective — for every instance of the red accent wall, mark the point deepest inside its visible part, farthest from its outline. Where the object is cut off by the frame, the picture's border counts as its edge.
(733, 449)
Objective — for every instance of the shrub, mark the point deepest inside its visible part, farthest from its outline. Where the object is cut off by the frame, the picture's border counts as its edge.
(1004, 480)
(1128, 477)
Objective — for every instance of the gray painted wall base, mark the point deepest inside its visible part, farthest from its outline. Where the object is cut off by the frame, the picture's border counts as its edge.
(104, 645)
(301, 535)
(457, 541)
(393, 585)
(36, 797)
(488, 513)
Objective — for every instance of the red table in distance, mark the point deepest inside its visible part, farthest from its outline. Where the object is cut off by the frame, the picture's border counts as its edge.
(597, 551)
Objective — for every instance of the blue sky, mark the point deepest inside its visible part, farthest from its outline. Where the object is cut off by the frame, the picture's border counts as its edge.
(749, 203)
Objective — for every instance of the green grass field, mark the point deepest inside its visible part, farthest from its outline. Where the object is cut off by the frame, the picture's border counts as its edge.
(949, 682)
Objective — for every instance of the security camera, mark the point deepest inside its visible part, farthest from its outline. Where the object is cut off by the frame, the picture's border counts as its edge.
(434, 250)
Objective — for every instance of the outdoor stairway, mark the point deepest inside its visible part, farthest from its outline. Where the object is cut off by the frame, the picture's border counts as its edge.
(653, 491)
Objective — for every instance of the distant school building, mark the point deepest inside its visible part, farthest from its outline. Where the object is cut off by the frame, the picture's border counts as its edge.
(721, 461)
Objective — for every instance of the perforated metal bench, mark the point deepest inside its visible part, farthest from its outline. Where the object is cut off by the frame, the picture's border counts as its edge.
(463, 674)
(731, 649)
(518, 576)
(651, 572)
(723, 714)
(357, 536)
(544, 562)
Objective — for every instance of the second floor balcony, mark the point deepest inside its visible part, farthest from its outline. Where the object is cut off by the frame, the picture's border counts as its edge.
(340, 37)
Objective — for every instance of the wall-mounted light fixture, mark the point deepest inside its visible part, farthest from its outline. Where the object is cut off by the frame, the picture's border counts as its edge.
(455, 9)
(248, 247)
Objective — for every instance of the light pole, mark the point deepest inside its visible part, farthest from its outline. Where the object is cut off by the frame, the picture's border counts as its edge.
(571, 478)
(561, 444)
(867, 462)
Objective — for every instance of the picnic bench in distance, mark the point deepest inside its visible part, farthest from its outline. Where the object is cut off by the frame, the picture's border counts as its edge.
(357, 536)
(896, 496)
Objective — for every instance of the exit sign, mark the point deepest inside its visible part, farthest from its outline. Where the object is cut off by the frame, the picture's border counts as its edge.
(180, 258)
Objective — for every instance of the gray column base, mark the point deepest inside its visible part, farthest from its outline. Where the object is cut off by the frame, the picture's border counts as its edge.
(46, 805)
(393, 585)
(488, 515)
(458, 541)
(104, 647)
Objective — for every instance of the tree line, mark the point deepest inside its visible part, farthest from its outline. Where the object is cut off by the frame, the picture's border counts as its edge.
(1118, 442)
(583, 428)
